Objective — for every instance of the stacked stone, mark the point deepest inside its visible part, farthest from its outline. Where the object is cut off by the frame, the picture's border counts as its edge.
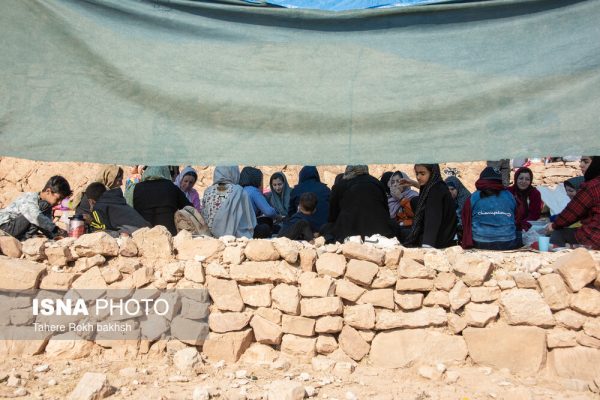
(395, 307)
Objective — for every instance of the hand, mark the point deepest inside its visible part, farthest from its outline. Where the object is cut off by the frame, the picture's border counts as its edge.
(548, 229)
(406, 181)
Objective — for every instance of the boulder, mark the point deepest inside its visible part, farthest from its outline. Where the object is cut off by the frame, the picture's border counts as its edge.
(266, 331)
(189, 331)
(34, 248)
(555, 291)
(437, 298)
(575, 363)
(269, 314)
(524, 280)
(193, 271)
(331, 264)
(313, 286)
(444, 281)
(296, 325)
(425, 317)
(352, 343)
(68, 346)
(92, 386)
(208, 249)
(592, 327)
(227, 346)
(142, 276)
(456, 324)
(301, 347)
(307, 260)
(561, 338)
(438, 261)
(583, 339)
(410, 268)
(570, 319)
(526, 307)
(472, 269)
(287, 249)
(392, 257)
(383, 298)
(318, 306)
(385, 278)
(459, 296)
(154, 243)
(259, 354)
(361, 272)
(90, 285)
(261, 250)
(82, 264)
(329, 324)
(127, 247)
(577, 268)
(482, 294)
(97, 243)
(233, 255)
(286, 298)
(285, 390)
(409, 301)
(586, 301)
(227, 322)
(363, 252)
(264, 272)
(58, 281)
(186, 360)
(479, 315)
(10, 247)
(348, 290)
(326, 344)
(58, 255)
(256, 295)
(225, 294)
(360, 316)
(402, 348)
(521, 349)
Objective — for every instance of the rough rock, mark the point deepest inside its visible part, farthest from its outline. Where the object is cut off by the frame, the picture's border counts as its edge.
(318, 306)
(187, 359)
(20, 274)
(524, 280)
(58, 281)
(414, 285)
(410, 268)
(34, 248)
(10, 247)
(385, 278)
(456, 324)
(111, 275)
(269, 314)
(307, 260)
(261, 250)
(67, 346)
(188, 331)
(259, 354)
(329, 324)
(256, 295)
(479, 315)
(444, 281)
(484, 294)
(266, 331)
(326, 344)
(227, 346)
(193, 271)
(155, 243)
(392, 257)
(586, 340)
(207, 248)
(348, 290)
(363, 252)
(472, 270)
(92, 386)
(331, 264)
(286, 298)
(352, 343)
(313, 286)
(570, 319)
(227, 322)
(526, 307)
(383, 298)
(586, 301)
(287, 249)
(91, 284)
(264, 272)
(91, 244)
(82, 264)
(301, 347)
(217, 270)
(225, 294)
(142, 276)
(233, 255)
(127, 247)
(561, 338)
(285, 390)
(592, 327)
(521, 349)
(428, 316)
(437, 298)
(361, 272)
(360, 316)
(296, 325)
(409, 301)
(575, 363)
(438, 261)
(401, 348)
(555, 291)
(577, 268)
(459, 296)
(58, 255)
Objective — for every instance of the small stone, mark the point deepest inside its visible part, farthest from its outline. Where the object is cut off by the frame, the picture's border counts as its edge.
(525, 280)
(187, 359)
(200, 393)
(451, 377)
(577, 268)
(42, 368)
(459, 296)
(285, 390)
(431, 373)
(52, 382)
(92, 386)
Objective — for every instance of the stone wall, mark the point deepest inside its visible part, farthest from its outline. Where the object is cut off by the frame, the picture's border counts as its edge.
(335, 305)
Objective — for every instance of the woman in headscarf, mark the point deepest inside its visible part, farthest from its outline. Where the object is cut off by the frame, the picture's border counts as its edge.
(251, 179)
(584, 207)
(402, 200)
(529, 200)
(435, 219)
(279, 197)
(310, 181)
(488, 215)
(572, 185)
(186, 181)
(226, 207)
(111, 177)
(157, 199)
(358, 206)
(459, 193)
(385, 179)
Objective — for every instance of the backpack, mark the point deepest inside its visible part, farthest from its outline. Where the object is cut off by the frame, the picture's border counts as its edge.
(189, 219)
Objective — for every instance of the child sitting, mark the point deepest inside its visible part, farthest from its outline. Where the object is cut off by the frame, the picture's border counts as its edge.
(299, 226)
(32, 212)
(111, 213)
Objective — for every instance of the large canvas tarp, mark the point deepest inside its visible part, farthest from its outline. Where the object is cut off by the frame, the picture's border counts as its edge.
(184, 81)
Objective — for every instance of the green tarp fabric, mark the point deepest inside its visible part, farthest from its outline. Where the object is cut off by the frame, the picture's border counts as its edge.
(181, 81)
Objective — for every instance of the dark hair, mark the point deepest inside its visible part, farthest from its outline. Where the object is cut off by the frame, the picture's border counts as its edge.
(308, 201)
(276, 175)
(385, 178)
(174, 171)
(489, 192)
(58, 184)
(95, 190)
(192, 174)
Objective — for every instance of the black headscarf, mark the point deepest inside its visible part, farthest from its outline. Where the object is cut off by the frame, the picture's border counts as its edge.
(593, 170)
(385, 178)
(419, 220)
(251, 176)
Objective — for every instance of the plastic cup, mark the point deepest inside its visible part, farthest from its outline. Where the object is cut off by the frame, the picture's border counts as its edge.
(543, 243)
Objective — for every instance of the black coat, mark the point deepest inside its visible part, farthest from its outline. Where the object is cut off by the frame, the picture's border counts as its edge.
(440, 218)
(309, 181)
(157, 201)
(114, 214)
(359, 206)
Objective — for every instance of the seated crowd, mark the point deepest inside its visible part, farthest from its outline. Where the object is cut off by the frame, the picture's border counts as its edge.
(426, 212)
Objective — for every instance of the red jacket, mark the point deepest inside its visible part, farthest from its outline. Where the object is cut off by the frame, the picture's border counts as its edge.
(529, 206)
(584, 207)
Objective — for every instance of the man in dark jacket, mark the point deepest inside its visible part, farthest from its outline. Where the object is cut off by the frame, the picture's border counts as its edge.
(309, 181)
(359, 205)
(110, 211)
